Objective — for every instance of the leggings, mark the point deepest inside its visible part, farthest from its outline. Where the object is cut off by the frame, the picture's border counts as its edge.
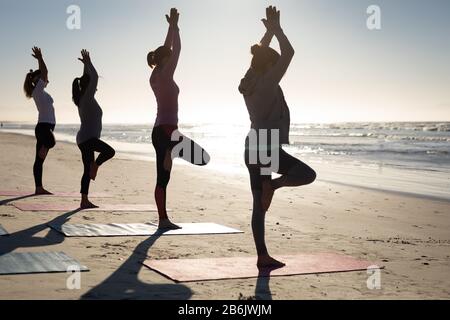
(44, 138)
(87, 149)
(162, 142)
(183, 148)
(295, 169)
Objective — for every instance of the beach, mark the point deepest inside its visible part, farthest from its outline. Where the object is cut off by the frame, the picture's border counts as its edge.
(408, 235)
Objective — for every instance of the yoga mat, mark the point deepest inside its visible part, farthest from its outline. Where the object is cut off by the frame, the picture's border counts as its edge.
(139, 229)
(37, 262)
(73, 206)
(3, 232)
(55, 194)
(185, 270)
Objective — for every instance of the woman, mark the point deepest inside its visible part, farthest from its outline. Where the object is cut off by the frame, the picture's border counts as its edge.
(166, 138)
(88, 137)
(270, 120)
(34, 87)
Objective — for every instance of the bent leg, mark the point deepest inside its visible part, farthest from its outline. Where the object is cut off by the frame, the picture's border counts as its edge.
(188, 150)
(105, 150)
(46, 138)
(293, 172)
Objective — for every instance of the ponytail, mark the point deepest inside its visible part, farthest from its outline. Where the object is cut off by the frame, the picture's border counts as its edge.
(155, 58)
(28, 85)
(76, 91)
(79, 86)
(151, 59)
(255, 49)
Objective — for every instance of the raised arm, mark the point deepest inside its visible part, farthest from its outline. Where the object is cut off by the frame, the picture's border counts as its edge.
(174, 32)
(276, 73)
(169, 38)
(37, 54)
(89, 69)
(267, 38)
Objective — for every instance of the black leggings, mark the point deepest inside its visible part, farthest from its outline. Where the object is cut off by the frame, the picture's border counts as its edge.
(162, 142)
(44, 138)
(87, 149)
(299, 172)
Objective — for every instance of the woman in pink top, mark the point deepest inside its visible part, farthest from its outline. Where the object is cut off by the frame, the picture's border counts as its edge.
(167, 140)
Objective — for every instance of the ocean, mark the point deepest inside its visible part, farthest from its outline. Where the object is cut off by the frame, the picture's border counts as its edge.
(406, 157)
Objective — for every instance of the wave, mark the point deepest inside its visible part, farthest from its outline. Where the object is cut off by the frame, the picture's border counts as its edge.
(352, 149)
(388, 126)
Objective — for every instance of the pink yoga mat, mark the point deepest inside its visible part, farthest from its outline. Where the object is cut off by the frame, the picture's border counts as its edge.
(13, 193)
(185, 270)
(74, 205)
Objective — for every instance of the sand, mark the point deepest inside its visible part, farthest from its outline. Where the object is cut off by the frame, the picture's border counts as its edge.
(409, 235)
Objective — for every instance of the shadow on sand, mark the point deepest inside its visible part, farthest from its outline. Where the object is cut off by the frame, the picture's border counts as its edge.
(7, 201)
(26, 238)
(125, 284)
(121, 284)
(262, 287)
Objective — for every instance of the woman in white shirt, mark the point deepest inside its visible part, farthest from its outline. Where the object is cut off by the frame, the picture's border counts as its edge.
(34, 87)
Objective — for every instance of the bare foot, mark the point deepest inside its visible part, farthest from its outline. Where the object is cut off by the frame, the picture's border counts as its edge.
(41, 191)
(269, 262)
(93, 171)
(168, 225)
(86, 204)
(43, 152)
(267, 194)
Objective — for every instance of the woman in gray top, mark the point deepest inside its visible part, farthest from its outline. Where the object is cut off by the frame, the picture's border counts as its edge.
(270, 120)
(88, 137)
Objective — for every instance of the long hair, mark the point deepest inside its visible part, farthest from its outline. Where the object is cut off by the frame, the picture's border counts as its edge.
(79, 86)
(29, 85)
(155, 58)
(263, 56)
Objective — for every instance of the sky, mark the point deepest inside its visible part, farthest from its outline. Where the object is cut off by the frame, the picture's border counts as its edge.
(341, 72)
